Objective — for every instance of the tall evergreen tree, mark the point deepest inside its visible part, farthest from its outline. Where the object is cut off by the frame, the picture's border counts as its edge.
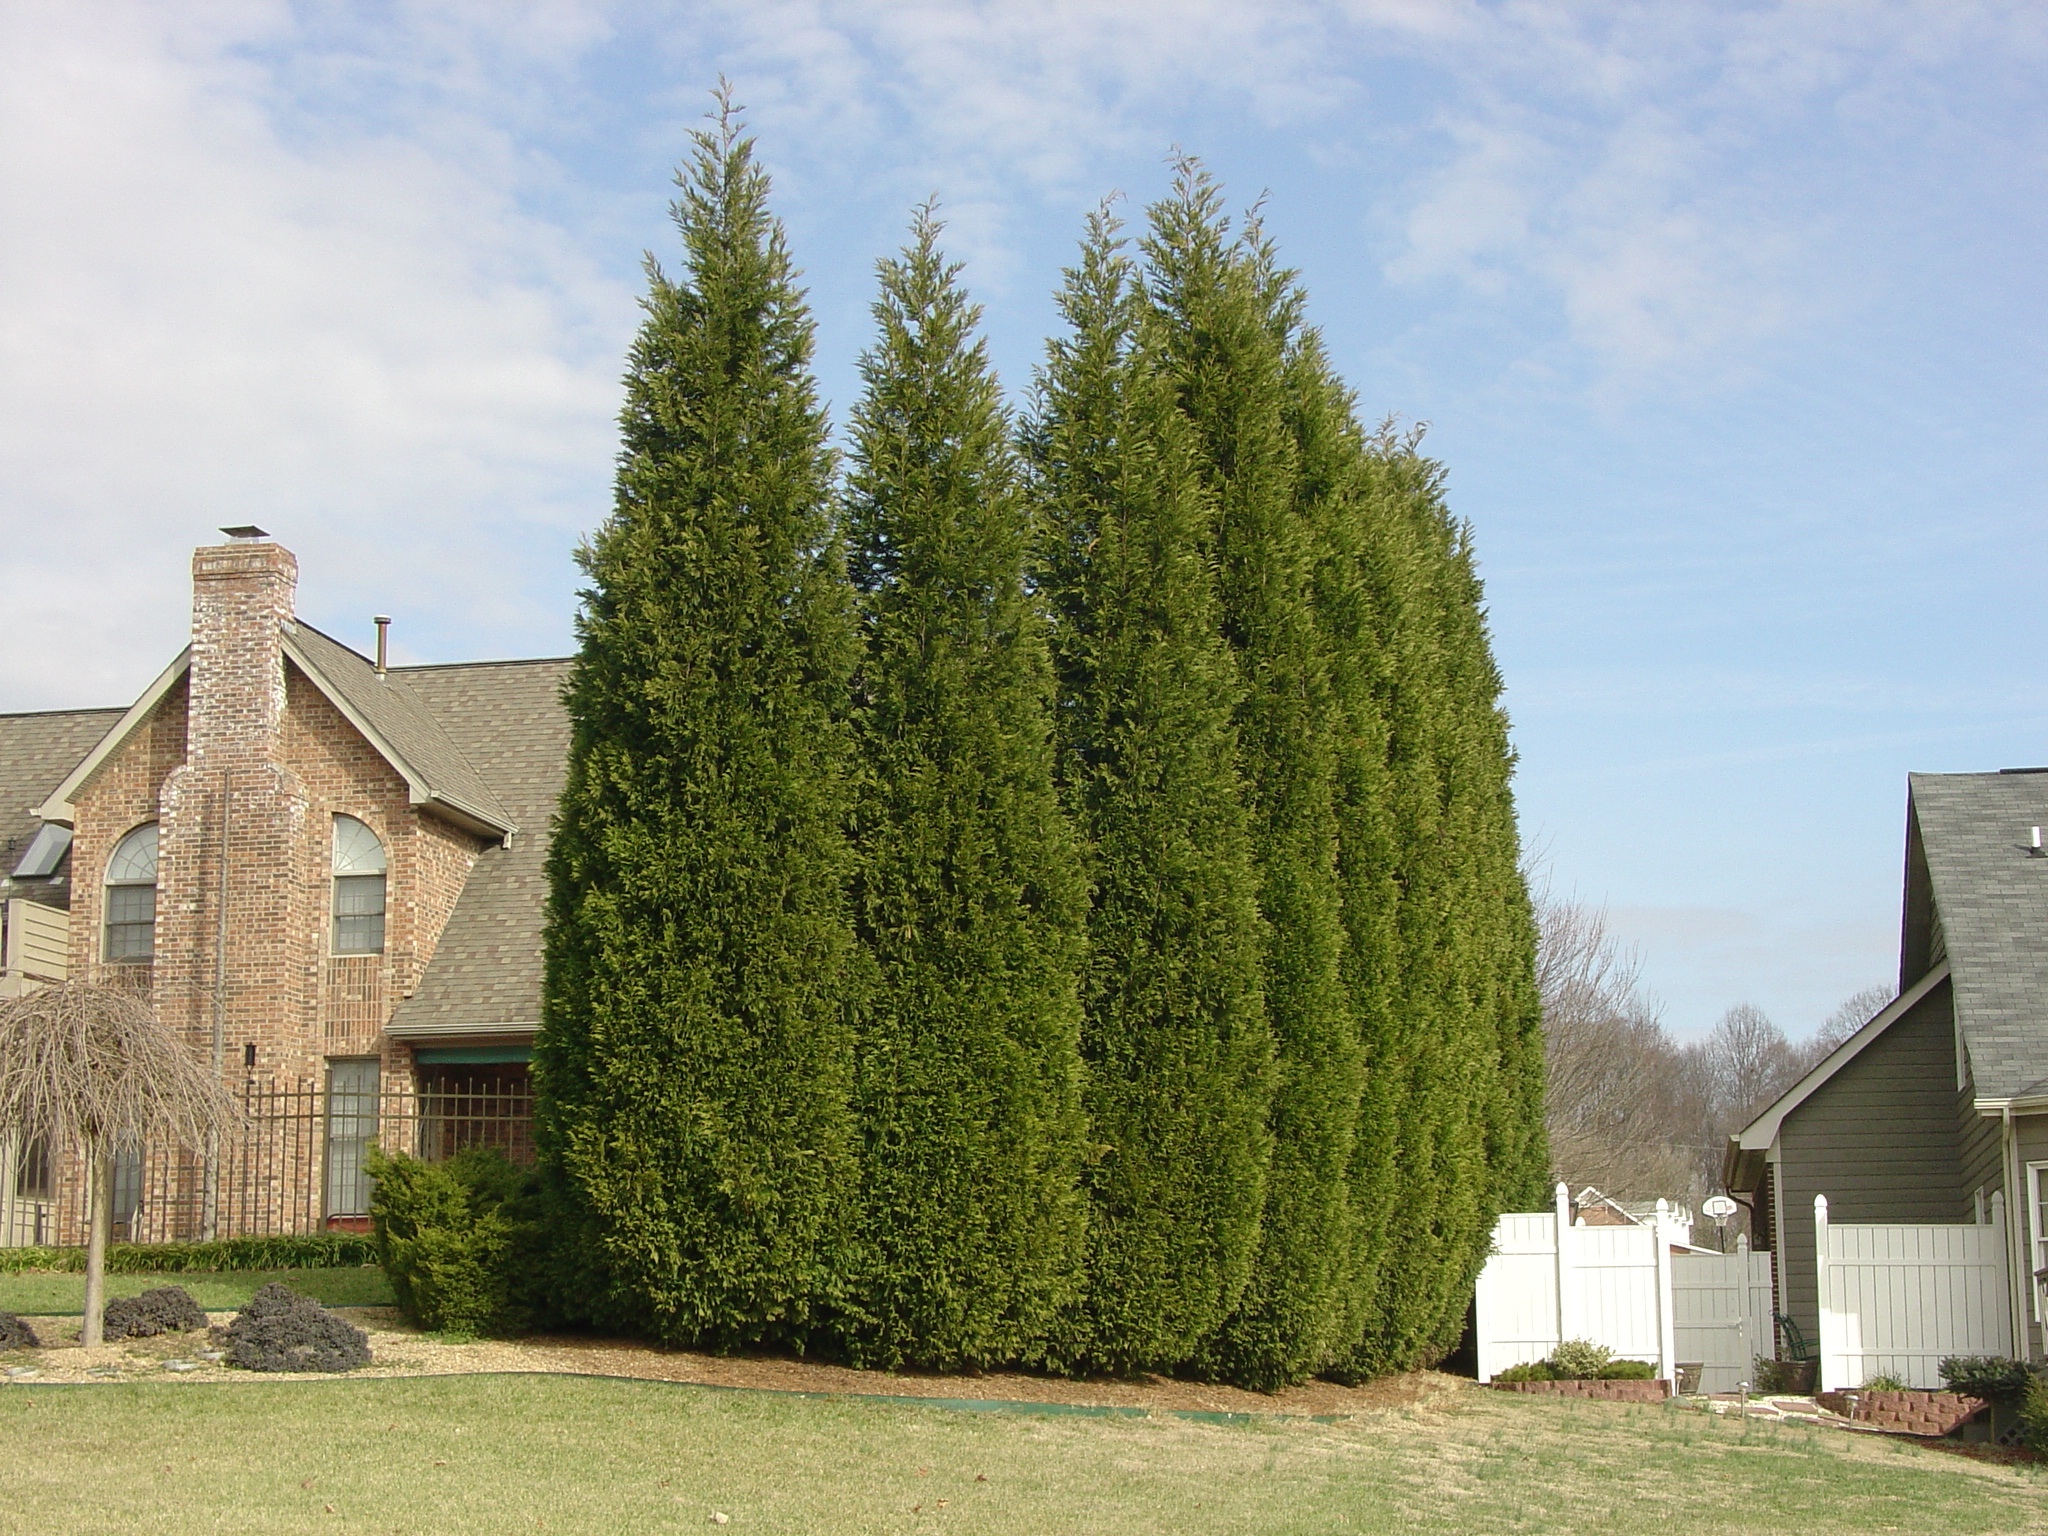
(969, 896)
(1361, 569)
(693, 1064)
(1468, 943)
(1224, 313)
(1174, 1029)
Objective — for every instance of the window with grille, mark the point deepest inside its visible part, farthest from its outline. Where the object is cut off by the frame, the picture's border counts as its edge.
(358, 889)
(34, 1173)
(352, 1106)
(131, 896)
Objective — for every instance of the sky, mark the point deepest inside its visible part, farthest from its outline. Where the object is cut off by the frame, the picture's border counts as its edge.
(1727, 321)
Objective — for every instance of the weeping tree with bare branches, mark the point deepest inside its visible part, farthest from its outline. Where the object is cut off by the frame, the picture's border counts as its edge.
(90, 1067)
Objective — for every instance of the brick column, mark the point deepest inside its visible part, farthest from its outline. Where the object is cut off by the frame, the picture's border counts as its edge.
(237, 943)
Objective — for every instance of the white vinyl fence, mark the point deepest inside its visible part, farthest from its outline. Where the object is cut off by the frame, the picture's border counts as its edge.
(1895, 1299)
(1548, 1281)
(1722, 1303)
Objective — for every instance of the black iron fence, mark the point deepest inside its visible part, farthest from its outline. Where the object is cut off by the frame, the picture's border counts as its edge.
(294, 1165)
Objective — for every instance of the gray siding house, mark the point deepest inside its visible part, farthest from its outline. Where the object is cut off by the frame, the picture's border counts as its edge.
(1938, 1106)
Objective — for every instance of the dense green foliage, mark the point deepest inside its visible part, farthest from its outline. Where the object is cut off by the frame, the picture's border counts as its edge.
(1091, 929)
(459, 1240)
(693, 1069)
(968, 896)
(1220, 312)
(312, 1250)
(1174, 1032)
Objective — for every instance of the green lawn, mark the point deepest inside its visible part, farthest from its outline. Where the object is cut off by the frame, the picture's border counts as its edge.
(571, 1454)
(46, 1293)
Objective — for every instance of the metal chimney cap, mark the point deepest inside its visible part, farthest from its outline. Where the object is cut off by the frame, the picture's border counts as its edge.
(246, 531)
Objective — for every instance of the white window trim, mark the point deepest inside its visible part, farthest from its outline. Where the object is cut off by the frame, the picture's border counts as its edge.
(2037, 1240)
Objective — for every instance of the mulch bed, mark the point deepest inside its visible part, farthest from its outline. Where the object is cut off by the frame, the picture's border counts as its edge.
(397, 1350)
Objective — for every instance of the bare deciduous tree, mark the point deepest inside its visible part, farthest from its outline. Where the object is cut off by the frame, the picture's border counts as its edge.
(1619, 1092)
(88, 1066)
(1850, 1015)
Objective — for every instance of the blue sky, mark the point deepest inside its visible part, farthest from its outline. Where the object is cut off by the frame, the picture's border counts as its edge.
(1728, 321)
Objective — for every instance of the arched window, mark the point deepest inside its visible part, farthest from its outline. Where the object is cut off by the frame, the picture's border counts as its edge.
(358, 889)
(131, 896)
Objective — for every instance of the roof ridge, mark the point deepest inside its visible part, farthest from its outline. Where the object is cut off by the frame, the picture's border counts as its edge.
(456, 666)
(83, 709)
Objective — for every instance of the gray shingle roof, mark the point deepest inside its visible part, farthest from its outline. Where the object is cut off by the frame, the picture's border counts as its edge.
(36, 752)
(407, 727)
(507, 719)
(1992, 895)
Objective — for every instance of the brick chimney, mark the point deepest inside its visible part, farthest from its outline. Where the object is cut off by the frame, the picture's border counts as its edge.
(241, 602)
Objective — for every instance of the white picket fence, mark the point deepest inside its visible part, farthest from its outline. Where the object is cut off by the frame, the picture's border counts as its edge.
(1895, 1299)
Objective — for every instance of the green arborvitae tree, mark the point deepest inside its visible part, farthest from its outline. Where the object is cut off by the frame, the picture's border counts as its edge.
(1223, 312)
(693, 1067)
(1174, 1030)
(969, 897)
(1362, 567)
(1457, 1070)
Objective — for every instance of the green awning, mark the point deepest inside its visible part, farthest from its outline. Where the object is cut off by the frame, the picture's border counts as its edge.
(472, 1055)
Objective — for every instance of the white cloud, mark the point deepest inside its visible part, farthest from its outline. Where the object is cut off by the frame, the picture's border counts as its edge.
(361, 344)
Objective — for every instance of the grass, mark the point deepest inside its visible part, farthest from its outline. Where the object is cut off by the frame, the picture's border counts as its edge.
(574, 1454)
(49, 1293)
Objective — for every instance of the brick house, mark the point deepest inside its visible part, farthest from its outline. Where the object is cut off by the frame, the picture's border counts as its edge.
(325, 873)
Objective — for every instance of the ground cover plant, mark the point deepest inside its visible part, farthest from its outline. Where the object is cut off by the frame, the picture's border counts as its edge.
(309, 1250)
(165, 1309)
(16, 1334)
(569, 1454)
(63, 1294)
(281, 1330)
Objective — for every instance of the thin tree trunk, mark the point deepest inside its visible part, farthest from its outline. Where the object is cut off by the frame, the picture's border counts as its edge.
(100, 1201)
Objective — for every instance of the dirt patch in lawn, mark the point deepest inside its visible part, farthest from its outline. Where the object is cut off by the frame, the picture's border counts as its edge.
(398, 1350)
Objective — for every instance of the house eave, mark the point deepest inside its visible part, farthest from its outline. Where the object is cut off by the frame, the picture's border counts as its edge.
(1761, 1132)
(58, 807)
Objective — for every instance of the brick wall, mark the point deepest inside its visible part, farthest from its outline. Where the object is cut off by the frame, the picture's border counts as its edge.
(250, 744)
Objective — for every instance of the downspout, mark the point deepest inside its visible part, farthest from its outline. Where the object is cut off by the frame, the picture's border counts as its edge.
(210, 1215)
(2019, 1296)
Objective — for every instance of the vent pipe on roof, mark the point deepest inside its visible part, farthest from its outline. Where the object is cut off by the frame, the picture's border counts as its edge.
(383, 623)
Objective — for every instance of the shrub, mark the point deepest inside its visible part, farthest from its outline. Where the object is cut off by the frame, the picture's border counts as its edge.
(312, 1250)
(168, 1309)
(458, 1240)
(1580, 1360)
(1884, 1383)
(15, 1334)
(1628, 1370)
(1534, 1370)
(1775, 1375)
(2034, 1415)
(280, 1330)
(1992, 1378)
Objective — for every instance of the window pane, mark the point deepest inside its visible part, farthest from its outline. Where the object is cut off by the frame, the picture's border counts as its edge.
(351, 1127)
(356, 848)
(359, 915)
(135, 859)
(131, 922)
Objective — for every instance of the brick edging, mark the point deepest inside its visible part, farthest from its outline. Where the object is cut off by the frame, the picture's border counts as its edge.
(1911, 1413)
(1599, 1391)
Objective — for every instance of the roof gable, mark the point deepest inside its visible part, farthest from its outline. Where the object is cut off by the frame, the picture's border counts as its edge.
(1990, 899)
(384, 708)
(1763, 1130)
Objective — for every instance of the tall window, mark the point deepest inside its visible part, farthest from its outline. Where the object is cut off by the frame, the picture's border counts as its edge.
(358, 889)
(351, 1127)
(131, 896)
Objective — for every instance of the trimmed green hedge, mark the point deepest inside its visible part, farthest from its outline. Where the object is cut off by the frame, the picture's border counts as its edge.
(321, 1250)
